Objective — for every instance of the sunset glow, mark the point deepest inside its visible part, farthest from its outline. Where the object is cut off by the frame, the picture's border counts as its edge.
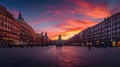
(65, 17)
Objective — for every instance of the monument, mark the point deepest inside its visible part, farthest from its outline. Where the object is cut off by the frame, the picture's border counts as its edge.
(59, 44)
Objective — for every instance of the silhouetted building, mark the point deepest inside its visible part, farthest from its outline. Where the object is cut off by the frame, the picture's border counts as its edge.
(59, 41)
(75, 40)
(46, 39)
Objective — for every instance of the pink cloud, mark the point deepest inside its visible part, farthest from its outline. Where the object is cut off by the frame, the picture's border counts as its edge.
(65, 18)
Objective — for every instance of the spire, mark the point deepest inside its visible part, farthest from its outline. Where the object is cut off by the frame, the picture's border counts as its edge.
(45, 33)
(59, 41)
(59, 37)
(20, 18)
(20, 15)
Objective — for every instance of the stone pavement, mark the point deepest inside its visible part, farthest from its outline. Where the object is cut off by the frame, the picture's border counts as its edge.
(67, 56)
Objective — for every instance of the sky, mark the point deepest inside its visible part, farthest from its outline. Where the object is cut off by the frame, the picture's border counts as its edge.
(62, 17)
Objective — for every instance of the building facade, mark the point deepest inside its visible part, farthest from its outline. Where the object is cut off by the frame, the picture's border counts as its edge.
(15, 31)
(42, 39)
(106, 32)
(39, 38)
(27, 34)
(9, 28)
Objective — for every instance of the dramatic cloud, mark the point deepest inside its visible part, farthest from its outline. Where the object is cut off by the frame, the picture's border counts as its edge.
(65, 17)
(73, 19)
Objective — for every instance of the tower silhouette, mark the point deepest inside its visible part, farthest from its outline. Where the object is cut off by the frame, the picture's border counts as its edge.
(59, 41)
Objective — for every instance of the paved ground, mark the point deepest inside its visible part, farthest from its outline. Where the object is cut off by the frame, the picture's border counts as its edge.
(51, 56)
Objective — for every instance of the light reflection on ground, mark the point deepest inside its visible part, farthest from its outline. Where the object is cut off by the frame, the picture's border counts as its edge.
(66, 56)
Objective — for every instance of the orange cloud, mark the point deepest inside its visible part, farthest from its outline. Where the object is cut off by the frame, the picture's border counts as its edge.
(67, 23)
(71, 28)
(98, 12)
(68, 17)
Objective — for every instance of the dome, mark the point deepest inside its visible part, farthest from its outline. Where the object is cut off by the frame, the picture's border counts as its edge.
(20, 19)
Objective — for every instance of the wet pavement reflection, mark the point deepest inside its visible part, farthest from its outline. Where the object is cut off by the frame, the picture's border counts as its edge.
(66, 56)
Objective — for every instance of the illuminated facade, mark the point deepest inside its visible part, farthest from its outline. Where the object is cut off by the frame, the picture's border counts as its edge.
(42, 39)
(27, 34)
(9, 28)
(39, 38)
(106, 32)
(17, 31)
(46, 39)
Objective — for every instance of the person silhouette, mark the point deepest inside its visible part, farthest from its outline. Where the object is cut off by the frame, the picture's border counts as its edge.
(89, 46)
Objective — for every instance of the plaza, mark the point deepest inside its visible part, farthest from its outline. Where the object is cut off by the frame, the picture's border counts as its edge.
(66, 56)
